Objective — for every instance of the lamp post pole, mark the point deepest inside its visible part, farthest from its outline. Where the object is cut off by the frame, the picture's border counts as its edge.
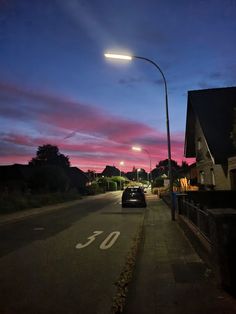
(124, 57)
(121, 164)
(139, 149)
(137, 174)
(150, 165)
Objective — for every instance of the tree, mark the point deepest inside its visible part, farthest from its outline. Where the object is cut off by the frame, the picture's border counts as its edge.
(163, 168)
(91, 174)
(50, 155)
(184, 166)
(49, 178)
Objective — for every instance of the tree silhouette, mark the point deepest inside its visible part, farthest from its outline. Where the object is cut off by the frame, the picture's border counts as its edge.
(49, 155)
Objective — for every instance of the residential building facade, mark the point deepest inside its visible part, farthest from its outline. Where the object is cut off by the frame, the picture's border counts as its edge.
(210, 136)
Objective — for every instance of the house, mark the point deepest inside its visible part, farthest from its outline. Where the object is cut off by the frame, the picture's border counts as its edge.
(210, 136)
(111, 171)
(189, 173)
(14, 178)
(137, 174)
(78, 178)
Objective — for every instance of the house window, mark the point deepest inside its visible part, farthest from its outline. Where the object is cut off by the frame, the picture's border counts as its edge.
(213, 181)
(202, 175)
(199, 144)
(233, 179)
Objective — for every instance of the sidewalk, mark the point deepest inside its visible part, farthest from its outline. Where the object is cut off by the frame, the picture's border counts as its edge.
(170, 278)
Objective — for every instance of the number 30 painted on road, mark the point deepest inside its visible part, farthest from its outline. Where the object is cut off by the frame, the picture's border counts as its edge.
(106, 244)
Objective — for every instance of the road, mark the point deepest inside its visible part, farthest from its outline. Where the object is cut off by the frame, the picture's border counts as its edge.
(66, 260)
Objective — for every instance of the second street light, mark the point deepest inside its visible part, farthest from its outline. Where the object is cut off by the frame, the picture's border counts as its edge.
(139, 149)
(129, 58)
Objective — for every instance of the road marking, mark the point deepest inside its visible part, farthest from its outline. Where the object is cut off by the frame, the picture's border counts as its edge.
(105, 245)
(38, 229)
(110, 240)
(91, 239)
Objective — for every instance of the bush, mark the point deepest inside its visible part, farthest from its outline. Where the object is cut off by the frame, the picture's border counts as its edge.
(158, 182)
(16, 202)
(112, 186)
(119, 181)
(95, 188)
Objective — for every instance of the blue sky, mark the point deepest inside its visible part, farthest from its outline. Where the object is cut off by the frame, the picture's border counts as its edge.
(54, 79)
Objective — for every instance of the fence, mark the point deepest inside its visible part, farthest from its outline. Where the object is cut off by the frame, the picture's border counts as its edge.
(218, 227)
(199, 217)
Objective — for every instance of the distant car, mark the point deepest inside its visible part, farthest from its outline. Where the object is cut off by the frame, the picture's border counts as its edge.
(133, 197)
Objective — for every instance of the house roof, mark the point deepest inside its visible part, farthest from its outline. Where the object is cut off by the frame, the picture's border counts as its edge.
(15, 172)
(111, 171)
(76, 172)
(214, 109)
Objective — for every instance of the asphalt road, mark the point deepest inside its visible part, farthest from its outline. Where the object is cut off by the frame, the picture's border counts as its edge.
(66, 260)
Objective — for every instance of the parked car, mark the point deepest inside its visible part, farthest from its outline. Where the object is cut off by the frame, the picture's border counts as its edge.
(133, 197)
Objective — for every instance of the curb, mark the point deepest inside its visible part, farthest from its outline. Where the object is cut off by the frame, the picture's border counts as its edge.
(127, 271)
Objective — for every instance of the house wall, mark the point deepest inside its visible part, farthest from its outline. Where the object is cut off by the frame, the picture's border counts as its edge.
(222, 180)
(208, 172)
(232, 172)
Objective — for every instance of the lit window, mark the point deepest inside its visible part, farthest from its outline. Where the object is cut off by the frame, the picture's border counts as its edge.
(199, 143)
(202, 177)
(213, 182)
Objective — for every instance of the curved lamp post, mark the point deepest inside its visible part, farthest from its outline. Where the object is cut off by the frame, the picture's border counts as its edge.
(127, 57)
(139, 149)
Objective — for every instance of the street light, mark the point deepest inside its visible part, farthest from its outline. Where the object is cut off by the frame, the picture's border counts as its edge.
(121, 164)
(128, 57)
(139, 149)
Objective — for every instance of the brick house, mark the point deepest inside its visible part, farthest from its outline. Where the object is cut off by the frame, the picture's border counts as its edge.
(210, 136)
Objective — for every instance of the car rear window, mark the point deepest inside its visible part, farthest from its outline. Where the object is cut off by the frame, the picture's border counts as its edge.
(133, 190)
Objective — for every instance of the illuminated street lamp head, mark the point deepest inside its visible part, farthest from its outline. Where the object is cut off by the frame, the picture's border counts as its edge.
(116, 56)
(137, 148)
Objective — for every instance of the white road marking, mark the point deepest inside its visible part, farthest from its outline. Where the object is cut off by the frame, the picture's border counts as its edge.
(106, 244)
(91, 239)
(110, 240)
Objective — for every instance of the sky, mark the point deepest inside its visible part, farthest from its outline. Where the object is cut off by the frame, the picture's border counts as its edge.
(57, 88)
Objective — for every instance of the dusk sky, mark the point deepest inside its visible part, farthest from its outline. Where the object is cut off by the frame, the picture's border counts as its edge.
(57, 88)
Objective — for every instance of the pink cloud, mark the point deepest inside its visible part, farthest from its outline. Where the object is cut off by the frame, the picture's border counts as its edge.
(90, 136)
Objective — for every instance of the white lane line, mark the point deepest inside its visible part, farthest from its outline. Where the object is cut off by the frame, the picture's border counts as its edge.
(38, 229)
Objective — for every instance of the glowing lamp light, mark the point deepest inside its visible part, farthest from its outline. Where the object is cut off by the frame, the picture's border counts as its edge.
(136, 148)
(115, 56)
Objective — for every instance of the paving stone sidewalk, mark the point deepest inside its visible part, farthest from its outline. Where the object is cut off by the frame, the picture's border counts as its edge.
(170, 278)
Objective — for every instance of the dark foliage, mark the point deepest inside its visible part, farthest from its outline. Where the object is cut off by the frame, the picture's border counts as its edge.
(49, 178)
(49, 155)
